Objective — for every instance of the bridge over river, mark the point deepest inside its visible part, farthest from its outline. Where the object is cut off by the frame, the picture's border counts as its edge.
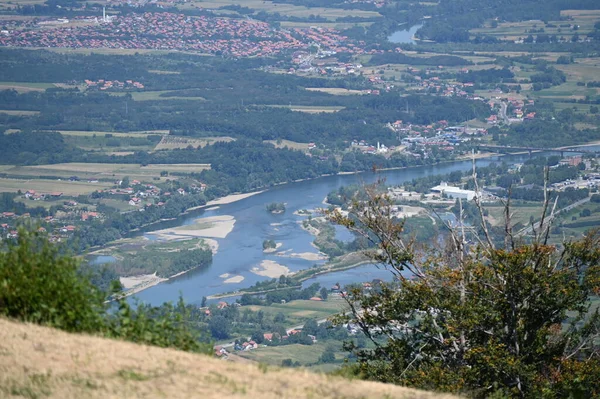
(513, 149)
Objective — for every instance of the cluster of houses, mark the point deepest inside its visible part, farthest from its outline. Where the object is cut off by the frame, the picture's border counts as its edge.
(165, 30)
(60, 231)
(440, 134)
(102, 84)
(143, 192)
(365, 147)
(517, 108)
(376, 3)
(34, 196)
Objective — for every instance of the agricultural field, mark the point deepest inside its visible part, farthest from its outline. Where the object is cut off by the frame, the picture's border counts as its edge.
(156, 95)
(24, 87)
(172, 142)
(520, 214)
(47, 204)
(285, 9)
(304, 354)
(81, 133)
(336, 91)
(48, 186)
(585, 19)
(299, 311)
(331, 25)
(574, 223)
(288, 143)
(19, 113)
(99, 171)
(310, 109)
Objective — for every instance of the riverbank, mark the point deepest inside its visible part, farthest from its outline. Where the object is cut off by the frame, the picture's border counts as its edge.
(213, 227)
(344, 262)
(244, 252)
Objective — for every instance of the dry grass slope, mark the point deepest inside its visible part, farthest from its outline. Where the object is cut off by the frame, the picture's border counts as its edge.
(42, 362)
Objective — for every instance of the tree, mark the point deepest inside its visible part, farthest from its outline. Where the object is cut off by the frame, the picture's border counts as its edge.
(324, 293)
(258, 336)
(203, 303)
(219, 327)
(328, 356)
(279, 318)
(310, 327)
(501, 315)
(41, 284)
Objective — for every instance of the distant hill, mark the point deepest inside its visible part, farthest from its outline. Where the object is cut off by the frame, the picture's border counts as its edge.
(43, 362)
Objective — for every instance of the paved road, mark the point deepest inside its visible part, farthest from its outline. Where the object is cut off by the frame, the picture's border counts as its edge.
(503, 107)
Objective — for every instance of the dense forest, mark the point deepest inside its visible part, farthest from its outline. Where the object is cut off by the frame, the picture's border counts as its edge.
(202, 98)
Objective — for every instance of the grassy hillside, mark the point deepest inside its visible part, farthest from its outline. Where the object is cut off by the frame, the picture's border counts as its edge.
(38, 362)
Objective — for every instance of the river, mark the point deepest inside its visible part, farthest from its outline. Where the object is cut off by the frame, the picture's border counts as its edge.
(404, 36)
(241, 250)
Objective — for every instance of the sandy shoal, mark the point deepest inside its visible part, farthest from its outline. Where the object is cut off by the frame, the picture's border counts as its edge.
(214, 226)
(140, 282)
(308, 256)
(271, 269)
(312, 256)
(234, 279)
(228, 199)
(271, 250)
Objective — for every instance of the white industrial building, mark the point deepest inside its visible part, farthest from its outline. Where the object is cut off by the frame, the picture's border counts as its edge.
(454, 192)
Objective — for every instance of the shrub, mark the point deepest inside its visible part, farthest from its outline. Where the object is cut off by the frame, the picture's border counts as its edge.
(39, 284)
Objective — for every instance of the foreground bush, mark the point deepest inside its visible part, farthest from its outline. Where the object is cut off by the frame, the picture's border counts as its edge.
(40, 285)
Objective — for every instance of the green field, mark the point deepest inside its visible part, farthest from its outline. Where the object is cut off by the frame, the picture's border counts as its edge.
(171, 143)
(156, 95)
(577, 232)
(305, 354)
(298, 312)
(284, 9)
(48, 186)
(19, 113)
(98, 171)
(516, 30)
(310, 109)
(92, 133)
(520, 214)
(23, 87)
(288, 143)
(49, 203)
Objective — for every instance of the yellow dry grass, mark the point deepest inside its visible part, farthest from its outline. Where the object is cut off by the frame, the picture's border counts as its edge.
(41, 362)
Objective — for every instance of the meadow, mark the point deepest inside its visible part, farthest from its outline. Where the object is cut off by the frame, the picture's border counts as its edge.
(95, 171)
(285, 9)
(299, 311)
(47, 186)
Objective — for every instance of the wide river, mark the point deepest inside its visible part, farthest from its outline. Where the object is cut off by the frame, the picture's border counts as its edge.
(241, 250)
